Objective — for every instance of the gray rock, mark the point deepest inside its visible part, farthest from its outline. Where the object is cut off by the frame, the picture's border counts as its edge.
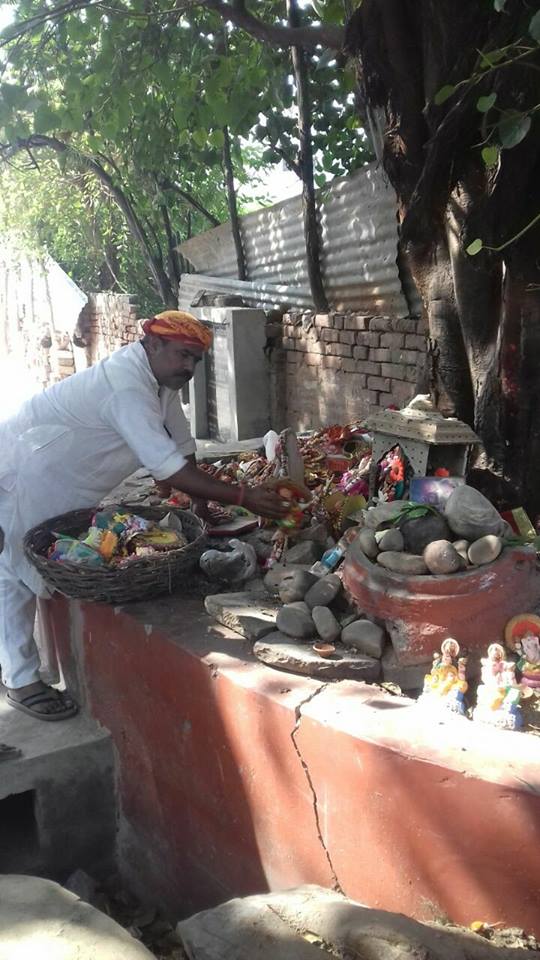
(40, 918)
(365, 636)
(250, 615)
(406, 676)
(406, 563)
(368, 543)
(485, 550)
(471, 515)
(278, 650)
(324, 591)
(300, 605)
(273, 926)
(276, 573)
(307, 551)
(317, 532)
(294, 585)
(462, 547)
(295, 623)
(390, 540)
(326, 624)
(420, 531)
(383, 513)
(442, 558)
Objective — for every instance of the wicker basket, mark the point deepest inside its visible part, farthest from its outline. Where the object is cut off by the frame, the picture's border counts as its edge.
(142, 578)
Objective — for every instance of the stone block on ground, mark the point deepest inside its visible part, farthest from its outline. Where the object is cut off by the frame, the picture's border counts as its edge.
(312, 922)
(250, 615)
(365, 636)
(278, 650)
(39, 919)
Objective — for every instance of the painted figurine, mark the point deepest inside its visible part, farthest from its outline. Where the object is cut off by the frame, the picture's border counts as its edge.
(499, 693)
(522, 635)
(446, 684)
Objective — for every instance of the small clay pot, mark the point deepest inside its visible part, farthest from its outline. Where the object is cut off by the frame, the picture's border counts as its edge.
(324, 649)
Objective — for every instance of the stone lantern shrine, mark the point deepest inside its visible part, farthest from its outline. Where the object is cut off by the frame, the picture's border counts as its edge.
(428, 440)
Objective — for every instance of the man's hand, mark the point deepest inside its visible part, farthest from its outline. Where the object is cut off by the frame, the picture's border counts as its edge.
(265, 503)
(164, 489)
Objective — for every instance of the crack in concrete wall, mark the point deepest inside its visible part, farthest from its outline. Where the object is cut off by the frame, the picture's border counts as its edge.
(298, 714)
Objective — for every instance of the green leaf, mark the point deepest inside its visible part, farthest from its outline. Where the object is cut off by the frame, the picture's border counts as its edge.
(534, 27)
(474, 247)
(483, 104)
(499, 5)
(200, 137)
(217, 139)
(443, 94)
(45, 119)
(513, 129)
(490, 156)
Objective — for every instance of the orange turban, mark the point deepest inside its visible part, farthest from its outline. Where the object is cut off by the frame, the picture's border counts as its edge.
(179, 325)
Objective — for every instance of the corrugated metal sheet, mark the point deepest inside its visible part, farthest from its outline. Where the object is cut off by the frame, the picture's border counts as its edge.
(359, 248)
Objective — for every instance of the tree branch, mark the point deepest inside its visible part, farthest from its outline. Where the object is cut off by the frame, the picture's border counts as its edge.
(274, 34)
(167, 184)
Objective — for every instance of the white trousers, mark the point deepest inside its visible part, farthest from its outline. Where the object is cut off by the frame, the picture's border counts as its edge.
(19, 657)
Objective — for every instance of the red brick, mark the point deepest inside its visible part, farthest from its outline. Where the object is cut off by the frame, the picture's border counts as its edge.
(329, 336)
(372, 397)
(392, 340)
(347, 336)
(349, 365)
(323, 319)
(339, 349)
(332, 363)
(292, 356)
(360, 353)
(383, 324)
(367, 366)
(355, 322)
(313, 359)
(378, 383)
(403, 391)
(415, 342)
(368, 339)
(380, 354)
(409, 374)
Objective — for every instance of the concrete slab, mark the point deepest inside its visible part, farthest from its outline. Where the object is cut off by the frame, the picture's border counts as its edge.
(57, 799)
(252, 614)
(39, 919)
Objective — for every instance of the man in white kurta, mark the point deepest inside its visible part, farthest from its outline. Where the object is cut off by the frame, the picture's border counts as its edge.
(66, 449)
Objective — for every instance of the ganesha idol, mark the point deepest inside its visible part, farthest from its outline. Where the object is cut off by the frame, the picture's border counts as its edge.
(499, 693)
(446, 684)
(522, 636)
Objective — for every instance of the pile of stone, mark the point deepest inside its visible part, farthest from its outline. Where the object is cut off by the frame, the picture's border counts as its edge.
(317, 631)
(468, 533)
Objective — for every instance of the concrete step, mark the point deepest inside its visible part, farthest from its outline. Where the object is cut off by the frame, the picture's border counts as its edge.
(57, 799)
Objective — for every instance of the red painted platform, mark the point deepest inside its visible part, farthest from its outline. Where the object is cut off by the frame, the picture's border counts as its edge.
(234, 778)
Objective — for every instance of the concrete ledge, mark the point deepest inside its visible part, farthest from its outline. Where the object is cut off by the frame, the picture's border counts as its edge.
(235, 778)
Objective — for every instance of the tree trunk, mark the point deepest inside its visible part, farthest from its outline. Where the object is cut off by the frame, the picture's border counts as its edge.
(305, 165)
(233, 207)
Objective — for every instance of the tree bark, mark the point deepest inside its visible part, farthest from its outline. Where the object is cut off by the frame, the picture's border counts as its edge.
(233, 206)
(305, 166)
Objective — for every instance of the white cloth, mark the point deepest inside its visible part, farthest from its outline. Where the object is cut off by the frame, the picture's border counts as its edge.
(69, 446)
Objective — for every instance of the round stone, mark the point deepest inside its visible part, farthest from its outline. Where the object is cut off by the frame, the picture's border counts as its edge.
(295, 623)
(294, 585)
(418, 532)
(365, 636)
(442, 558)
(407, 564)
(462, 547)
(307, 551)
(276, 574)
(368, 543)
(471, 515)
(390, 540)
(324, 591)
(485, 550)
(326, 624)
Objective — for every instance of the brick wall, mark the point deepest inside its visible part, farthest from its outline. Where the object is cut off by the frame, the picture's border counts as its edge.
(340, 366)
(107, 322)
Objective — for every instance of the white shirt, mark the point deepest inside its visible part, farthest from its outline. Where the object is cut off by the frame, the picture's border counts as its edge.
(70, 445)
